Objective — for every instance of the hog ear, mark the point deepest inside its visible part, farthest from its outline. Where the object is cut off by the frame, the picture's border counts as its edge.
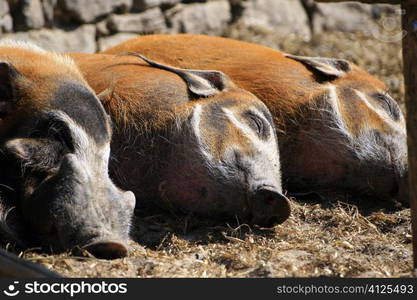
(203, 83)
(26, 149)
(327, 66)
(8, 76)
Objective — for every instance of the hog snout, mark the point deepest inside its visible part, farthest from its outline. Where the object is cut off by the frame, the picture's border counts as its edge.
(107, 249)
(268, 207)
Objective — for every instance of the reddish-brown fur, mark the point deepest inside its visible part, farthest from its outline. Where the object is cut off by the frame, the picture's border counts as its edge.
(120, 93)
(54, 151)
(151, 109)
(290, 89)
(42, 72)
(283, 84)
(143, 101)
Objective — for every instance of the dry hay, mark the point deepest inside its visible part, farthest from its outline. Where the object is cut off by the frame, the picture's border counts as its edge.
(329, 236)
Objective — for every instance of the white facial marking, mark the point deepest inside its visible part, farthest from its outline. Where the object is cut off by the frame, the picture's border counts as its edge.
(269, 148)
(265, 163)
(334, 102)
(246, 130)
(195, 124)
(378, 111)
(94, 157)
(364, 145)
(396, 126)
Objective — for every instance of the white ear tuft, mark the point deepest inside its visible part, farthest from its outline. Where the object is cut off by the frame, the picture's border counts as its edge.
(203, 83)
(327, 66)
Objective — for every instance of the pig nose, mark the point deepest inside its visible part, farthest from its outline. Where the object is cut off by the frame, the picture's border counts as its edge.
(269, 207)
(269, 197)
(107, 249)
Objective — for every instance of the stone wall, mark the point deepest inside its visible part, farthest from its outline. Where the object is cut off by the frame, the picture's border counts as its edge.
(93, 25)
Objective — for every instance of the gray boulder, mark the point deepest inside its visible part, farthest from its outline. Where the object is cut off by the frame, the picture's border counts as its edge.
(81, 39)
(113, 40)
(283, 16)
(141, 5)
(150, 21)
(200, 18)
(4, 8)
(28, 15)
(88, 11)
(48, 7)
(380, 21)
(102, 28)
(6, 22)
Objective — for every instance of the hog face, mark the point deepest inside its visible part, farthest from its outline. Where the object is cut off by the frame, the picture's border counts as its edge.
(54, 161)
(227, 163)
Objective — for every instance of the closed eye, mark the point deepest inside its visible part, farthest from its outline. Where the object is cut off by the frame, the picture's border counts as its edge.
(55, 129)
(258, 124)
(388, 104)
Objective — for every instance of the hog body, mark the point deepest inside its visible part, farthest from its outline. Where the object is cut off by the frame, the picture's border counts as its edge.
(337, 126)
(189, 139)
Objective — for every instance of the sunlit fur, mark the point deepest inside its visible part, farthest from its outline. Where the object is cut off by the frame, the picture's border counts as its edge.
(176, 147)
(44, 87)
(62, 59)
(36, 64)
(333, 133)
(42, 68)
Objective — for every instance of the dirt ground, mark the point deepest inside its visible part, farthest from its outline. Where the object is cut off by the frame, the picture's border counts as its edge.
(327, 235)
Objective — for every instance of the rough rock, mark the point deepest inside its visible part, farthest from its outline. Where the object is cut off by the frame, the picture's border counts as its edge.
(6, 22)
(200, 18)
(29, 15)
(87, 11)
(122, 6)
(48, 11)
(283, 17)
(356, 17)
(4, 8)
(141, 5)
(81, 39)
(113, 40)
(102, 28)
(123, 18)
(150, 21)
